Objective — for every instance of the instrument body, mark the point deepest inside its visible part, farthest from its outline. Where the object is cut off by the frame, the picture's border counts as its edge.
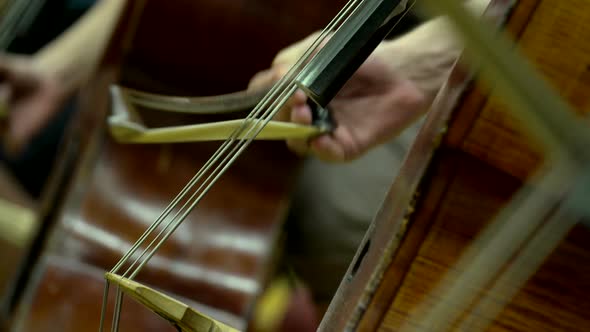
(221, 257)
(468, 163)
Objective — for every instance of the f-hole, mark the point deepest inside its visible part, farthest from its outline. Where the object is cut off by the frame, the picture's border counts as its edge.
(360, 257)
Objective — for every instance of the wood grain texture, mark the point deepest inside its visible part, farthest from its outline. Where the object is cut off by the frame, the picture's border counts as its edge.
(554, 299)
(408, 249)
(222, 255)
(483, 161)
(555, 41)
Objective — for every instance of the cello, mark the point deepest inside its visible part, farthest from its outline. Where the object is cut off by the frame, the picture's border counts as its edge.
(450, 188)
(225, 254)
(478, 231)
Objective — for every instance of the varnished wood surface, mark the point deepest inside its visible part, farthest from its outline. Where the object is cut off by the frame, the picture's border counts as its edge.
(553, 300)
(221, 256)
(555, 41)
(483, 160)
(212, 47)
(493, 159)
(55, 303)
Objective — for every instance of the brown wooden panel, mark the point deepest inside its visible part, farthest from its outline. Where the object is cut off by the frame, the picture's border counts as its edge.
(59, 306)
(483, 161)
(469, 110)
(553, 299)
(223, 253)
(556, 297)
(556, 42)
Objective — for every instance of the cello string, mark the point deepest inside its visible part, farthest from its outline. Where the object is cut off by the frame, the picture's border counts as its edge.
(546, 118)
(103, 306)
(186, 208)
(244, 145)
(521, 269)
(235, 154)
(217, 173)
(351, 6)
(174, 224)
(209, 164)
(259, 124)
(119, 295)
(241, 147)
(234, 135)
(491, 250)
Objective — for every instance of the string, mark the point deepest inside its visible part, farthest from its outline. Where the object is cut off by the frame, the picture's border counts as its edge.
(240, 148)
(259, 125)
(235, 133)
(203, 189)
(266, 117)
(553, 121)
(492, 249)
(521, 269)
(285, 93)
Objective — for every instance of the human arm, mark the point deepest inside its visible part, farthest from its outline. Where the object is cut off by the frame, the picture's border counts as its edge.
(33, 88)
(388, 93)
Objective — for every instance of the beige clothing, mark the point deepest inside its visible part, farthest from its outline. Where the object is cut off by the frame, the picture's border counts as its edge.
(332, 208)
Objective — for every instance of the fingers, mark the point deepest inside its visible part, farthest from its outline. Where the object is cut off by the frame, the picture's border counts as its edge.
(30, 113)
(292, 53)
(296, 100)
(28, 118)
(327, 148)
(268, 77)
(261, 79)
(30, 98)
(340, 145)
(300, 114)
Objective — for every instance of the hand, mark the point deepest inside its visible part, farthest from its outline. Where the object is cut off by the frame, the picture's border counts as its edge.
(375, 105)
(31, 97)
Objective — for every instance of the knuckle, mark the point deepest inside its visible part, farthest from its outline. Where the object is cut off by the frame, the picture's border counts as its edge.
(412, 98)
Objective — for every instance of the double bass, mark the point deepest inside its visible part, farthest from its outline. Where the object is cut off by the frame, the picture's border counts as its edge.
(222, 258)
(416, 240)
(418, 269)
(485, 227)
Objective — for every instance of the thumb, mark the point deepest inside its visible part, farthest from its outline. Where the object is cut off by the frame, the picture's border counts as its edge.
(268, 77)
(260, 79)
(292, 53)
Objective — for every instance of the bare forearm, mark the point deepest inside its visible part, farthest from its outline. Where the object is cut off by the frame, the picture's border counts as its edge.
(75, 54)
(426, 54)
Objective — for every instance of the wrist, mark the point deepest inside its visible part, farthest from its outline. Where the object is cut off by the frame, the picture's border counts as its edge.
(424, 56)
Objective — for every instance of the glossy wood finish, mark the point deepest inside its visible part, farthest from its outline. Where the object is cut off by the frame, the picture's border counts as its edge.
(554, 299)
(221, 256)
(212, 47)
(554, 39)
(455, 183)
(57, 298)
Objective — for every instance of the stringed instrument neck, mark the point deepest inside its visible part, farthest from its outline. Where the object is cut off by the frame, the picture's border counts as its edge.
(117, 189)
